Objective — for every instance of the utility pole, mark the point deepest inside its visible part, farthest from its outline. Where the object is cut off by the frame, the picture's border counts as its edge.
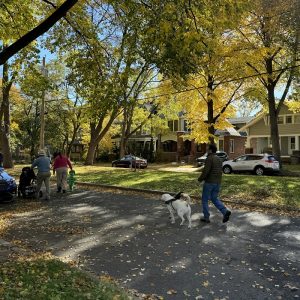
(42, 111)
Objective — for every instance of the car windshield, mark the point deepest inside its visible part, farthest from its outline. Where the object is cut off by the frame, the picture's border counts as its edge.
(220, 154)
(130, 157)
(5, 176)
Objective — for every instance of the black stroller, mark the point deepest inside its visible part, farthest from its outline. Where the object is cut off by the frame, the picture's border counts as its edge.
(27, 184)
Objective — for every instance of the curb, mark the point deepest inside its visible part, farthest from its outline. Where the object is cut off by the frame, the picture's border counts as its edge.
(236, 202)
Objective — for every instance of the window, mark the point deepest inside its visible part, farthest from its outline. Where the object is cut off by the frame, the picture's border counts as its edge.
(186, 126)
(241, 158)
(221, 145)
(297, 119)
(280, 119)
(254, 157)
(293, 143)
(231, 146)
(173, 125)
(288, 119)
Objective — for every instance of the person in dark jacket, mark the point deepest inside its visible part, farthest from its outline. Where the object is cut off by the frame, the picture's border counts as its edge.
(211, 177)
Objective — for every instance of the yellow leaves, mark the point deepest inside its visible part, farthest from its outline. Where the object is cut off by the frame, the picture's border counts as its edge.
(205, 283)
(171, 292)
(294, 106)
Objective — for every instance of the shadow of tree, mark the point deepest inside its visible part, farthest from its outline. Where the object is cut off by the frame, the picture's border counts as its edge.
(129, 237)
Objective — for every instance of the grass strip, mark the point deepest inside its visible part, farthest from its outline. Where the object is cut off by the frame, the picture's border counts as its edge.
(52, 279)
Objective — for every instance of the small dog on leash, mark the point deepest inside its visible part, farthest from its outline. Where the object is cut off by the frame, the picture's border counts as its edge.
(180, 203)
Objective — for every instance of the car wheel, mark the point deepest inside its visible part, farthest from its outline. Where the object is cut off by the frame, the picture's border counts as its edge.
(227, 169)
(259, 170)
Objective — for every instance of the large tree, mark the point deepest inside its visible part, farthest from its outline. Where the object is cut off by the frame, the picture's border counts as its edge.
(191, 44)
(270, 36)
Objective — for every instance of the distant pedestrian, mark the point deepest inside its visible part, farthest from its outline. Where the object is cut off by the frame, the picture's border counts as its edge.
(211, 177)
(60, 167)
(43, 164)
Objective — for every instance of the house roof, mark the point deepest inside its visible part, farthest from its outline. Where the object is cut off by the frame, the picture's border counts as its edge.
(228, 131)
(240, 120)
(253, 121)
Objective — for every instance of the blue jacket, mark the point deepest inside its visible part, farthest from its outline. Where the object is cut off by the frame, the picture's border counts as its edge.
(42, 163)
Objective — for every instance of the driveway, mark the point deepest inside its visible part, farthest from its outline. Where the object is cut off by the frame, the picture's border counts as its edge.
(129, 237)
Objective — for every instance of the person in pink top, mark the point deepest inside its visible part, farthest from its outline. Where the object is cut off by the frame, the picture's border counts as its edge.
(60, 167)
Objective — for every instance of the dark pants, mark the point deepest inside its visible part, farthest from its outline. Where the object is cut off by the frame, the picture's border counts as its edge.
(211, 191)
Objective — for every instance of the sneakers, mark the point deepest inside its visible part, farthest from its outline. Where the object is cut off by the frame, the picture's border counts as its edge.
(226, 216)
(205, 220)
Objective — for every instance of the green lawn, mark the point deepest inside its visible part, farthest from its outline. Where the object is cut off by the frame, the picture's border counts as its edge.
(52, 279)
(262, 189)
(280, 190)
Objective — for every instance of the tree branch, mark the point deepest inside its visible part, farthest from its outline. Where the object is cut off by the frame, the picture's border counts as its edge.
(36, 32)
(258, 73)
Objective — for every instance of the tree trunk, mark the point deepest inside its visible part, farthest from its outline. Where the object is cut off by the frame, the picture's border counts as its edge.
(210, 110)
(91, 153)
(5, 120)
(69, 146)
(273, 113)
(123, 146)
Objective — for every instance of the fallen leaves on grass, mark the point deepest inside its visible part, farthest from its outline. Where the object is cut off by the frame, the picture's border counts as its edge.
(52, 279)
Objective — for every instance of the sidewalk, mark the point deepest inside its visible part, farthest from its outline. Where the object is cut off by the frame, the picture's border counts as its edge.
(129, 237)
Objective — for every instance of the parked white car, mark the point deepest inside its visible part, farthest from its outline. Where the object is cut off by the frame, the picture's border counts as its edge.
(257, 163)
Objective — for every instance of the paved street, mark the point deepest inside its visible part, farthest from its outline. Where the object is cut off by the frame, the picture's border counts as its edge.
(129, 237)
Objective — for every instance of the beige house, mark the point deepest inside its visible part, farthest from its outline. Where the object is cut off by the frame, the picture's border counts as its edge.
(259, 137)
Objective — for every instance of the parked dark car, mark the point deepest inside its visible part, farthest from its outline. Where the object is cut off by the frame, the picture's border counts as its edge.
(221, 154)
(8, 186)
(130, 161)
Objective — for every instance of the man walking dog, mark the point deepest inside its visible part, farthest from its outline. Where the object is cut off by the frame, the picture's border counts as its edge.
(212, 176)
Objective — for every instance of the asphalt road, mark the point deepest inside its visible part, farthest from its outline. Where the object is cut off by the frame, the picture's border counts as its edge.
(129, 237)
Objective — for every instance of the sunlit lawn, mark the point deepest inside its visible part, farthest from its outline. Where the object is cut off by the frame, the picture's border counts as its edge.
(262, 189)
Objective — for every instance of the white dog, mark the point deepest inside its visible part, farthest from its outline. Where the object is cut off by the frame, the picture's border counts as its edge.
(180, 204)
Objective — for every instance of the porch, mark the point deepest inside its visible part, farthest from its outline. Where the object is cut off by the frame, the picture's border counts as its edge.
(288, 144)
